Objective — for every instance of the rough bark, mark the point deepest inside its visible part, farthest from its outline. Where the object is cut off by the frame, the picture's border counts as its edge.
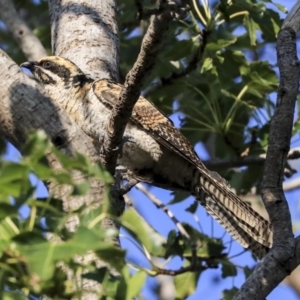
(24, 106)
(86, 32)
(131, 90)
(284, 257)
(79, 29)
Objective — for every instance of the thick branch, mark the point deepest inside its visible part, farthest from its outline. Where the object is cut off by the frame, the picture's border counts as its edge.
(86, 32)
(132, 87)
(28, 42)
(281, 260)
(279, 138)
(24, 106)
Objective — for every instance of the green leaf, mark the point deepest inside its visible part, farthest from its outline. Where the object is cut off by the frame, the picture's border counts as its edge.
(247, 271)
(81, 189)
(115, 257)
(179, 197)
(7, 210)
(228, 269)
(282, 8)
(42, 256)
(14, 296)
(193, 207)
(251, 27)
(141, 231)
(8, 228)
(229, 294)
(179, 50)
(186, 284)
(178, 245)
(135, 284)
(11, 172)
(219, 44)
(36, 146)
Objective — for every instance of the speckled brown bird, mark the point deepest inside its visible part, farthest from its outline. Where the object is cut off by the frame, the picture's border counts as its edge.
(155, 152)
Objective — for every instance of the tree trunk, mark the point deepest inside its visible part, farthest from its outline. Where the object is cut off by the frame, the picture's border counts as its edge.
(85, 32)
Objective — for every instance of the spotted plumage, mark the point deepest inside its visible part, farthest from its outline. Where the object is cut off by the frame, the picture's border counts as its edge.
(156, 152)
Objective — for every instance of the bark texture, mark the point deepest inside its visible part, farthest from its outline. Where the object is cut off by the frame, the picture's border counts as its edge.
(284, 257)
(132, 87)
(86, 32)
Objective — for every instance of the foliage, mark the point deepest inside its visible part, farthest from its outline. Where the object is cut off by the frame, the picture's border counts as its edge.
(226, 83)
(32, 264)
(211, 73)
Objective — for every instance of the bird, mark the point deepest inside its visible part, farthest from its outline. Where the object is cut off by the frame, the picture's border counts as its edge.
(153, 149)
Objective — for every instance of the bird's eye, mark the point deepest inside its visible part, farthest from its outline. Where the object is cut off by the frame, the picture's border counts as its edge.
(47, 64)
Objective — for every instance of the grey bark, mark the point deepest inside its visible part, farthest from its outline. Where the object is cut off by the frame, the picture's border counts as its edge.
(24, 106)
(85, 32)
(28, 42)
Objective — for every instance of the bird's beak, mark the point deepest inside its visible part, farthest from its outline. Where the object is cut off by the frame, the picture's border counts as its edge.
(29, 65)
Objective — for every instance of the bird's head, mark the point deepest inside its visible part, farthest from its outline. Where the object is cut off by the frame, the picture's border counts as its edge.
(55, 71)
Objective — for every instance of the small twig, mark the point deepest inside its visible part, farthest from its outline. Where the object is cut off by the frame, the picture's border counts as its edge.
(141, 15)
(246, 160)
(181, 229)
(165, 209)
(132, 86)
(128, 201)
(209, 264)
(191, 268)
(28, 42)
(234, 162)
(194, 265)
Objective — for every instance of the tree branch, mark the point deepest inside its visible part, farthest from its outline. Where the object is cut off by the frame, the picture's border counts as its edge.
(283, 257)
(24, 106)
(246, 160)
(234, 162)
(132, 86)
(28, 42)
(85, 31)
(169, 213)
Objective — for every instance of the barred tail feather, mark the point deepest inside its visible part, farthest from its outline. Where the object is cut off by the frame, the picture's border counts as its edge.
(220, 214)
(245, 225)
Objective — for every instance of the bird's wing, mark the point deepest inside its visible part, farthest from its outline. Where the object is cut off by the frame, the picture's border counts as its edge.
(151, 120)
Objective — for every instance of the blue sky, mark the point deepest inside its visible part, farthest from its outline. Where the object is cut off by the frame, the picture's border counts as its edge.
(210, 284)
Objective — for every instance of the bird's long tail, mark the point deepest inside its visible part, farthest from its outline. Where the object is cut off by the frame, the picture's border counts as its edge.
(245, 225)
